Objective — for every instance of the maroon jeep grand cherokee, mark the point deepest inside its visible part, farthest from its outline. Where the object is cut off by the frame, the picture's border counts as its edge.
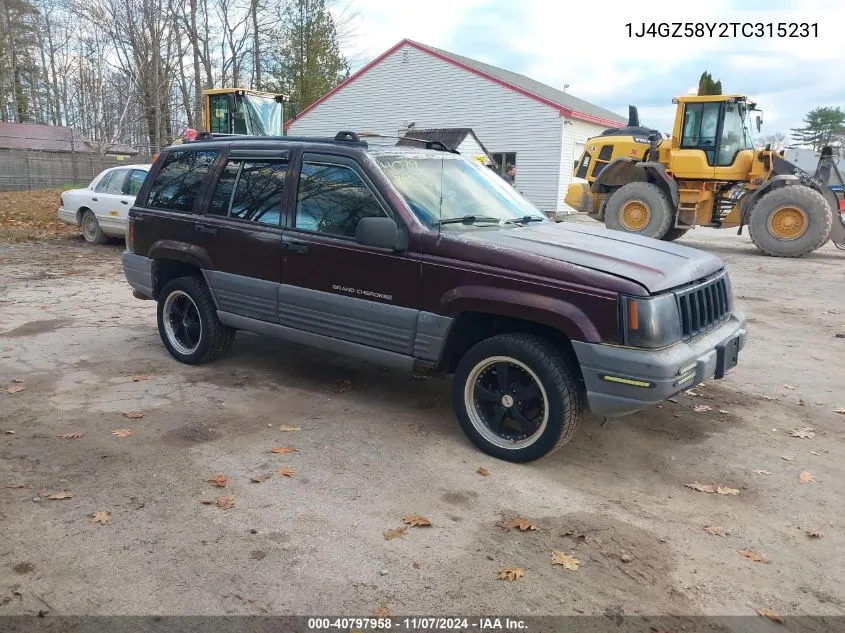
(419, 258)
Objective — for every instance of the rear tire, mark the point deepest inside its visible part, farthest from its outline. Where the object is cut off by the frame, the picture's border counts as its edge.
(538, 397)
(790, 221)
(188, 323)
(640, 208)
(91, 231)
(674, 234)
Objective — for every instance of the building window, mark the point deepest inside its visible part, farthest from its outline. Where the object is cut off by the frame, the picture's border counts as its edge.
(502, 160)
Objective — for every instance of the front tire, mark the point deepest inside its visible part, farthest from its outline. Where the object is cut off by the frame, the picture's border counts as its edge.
(517, 397)
(641, 208)
(188, 323)
(91, 230)
(790, 221)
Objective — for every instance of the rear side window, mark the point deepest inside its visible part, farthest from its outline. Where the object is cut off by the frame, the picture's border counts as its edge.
(178, 182)
(104, 182)
(134, 182)
(251, 190)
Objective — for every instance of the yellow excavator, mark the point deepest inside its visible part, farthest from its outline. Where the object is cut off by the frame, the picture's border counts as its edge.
(244, 112)
(710, 173)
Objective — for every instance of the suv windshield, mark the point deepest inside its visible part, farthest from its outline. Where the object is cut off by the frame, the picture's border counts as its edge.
(439, 189)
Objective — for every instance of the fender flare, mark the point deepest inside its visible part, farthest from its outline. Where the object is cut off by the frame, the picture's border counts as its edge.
(181, 252)
(563, 316)
(626, 169)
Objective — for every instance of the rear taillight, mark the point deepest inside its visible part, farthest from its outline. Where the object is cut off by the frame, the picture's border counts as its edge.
(62, 200)
(130, 236)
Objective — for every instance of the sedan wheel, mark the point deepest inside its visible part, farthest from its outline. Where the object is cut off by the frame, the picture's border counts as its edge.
(91, 230)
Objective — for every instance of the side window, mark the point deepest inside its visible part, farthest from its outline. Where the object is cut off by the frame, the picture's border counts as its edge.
(692, 122)
(177, 184)
(251, 190)
(219, 114)
(103, 185)
(134, 182)
(332, 199)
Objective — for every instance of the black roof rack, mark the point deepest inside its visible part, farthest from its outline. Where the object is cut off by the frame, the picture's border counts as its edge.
(343, 138)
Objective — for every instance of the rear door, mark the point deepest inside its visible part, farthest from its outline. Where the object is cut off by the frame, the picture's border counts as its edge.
(241, 231)
(108, 194)
(333, 286)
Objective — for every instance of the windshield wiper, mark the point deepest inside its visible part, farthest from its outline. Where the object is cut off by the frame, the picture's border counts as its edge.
(526, 219)
(468, 219)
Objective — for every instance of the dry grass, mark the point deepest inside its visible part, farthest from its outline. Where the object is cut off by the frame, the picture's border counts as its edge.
(32, 215)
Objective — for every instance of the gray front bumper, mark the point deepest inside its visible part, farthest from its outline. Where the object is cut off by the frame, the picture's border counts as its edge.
(139, 272)
(609, 370)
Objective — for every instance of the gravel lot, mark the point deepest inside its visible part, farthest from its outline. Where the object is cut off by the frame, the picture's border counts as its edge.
(377, 445)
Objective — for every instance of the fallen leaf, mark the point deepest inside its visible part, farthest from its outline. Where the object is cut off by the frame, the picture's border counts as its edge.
(516, 523)
(257, 479)
(690, 392)
(716, 530)
(801, 403)
(767, 398)
(219, 480)
(815, 453)
(395, 533)
(122, 432)
(17, 380)
(723, 412)
(16, 486)
(701, 408)
(815, 533)
(671, 400)
(224, 503)
(763, 472)
(285, 472)
(788, 386)
(257, 554)
(15, 388)
(754, 556)
(101, 517)
(414, 429)
(416, 565)
(416, 520)
(788, 459)
(569, 562)
(139, 378)
(721, 490)
(285, 428)
(766, 613)
(9, 432)
(381, 612)
(207, 502)
(483, 471)
(805, 432)
(343, 386)
(510, 573)
(282, 450)
(840, 411)
(133, 414)
(806, 477)
(64, 494)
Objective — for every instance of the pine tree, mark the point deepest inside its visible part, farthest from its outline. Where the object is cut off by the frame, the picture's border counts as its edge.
(822, 125)
(706, 85)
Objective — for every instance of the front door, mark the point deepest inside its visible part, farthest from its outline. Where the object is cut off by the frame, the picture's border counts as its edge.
(241, 232)
(333, 286)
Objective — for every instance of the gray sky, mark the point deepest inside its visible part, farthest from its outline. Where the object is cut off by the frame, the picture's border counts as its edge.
(567, 43)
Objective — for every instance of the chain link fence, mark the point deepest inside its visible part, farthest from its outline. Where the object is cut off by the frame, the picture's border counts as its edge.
(25, 169)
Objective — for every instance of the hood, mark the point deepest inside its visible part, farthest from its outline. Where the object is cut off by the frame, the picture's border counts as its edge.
(654, 264)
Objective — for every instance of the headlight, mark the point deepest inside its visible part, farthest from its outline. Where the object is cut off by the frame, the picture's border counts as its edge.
(652, 323)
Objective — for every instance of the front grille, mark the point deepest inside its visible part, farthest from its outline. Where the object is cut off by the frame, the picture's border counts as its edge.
(705, 306)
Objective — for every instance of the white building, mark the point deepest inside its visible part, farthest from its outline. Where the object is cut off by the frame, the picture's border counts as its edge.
(538, 128)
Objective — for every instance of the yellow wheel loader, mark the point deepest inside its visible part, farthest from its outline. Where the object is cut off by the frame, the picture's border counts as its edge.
(244, 112)
(708, 174)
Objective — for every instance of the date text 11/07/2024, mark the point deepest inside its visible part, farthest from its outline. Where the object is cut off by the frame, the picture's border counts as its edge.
(418, 624)
(724, 29)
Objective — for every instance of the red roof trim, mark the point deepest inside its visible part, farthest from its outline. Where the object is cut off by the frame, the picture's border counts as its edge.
(563, 111)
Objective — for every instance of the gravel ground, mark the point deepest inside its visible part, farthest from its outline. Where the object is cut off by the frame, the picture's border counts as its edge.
(376, 445)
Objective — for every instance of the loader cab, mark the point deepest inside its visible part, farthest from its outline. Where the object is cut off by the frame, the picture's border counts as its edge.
(241, 111)
(714, 137)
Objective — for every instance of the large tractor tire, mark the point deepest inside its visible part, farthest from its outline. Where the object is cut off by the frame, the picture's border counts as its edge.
(674, 234)
(790, 221)
(641, 208)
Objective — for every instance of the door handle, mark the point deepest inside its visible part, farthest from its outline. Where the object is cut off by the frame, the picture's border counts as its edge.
(123, 202)
(296, 247)
(94, 199)
(202, 228)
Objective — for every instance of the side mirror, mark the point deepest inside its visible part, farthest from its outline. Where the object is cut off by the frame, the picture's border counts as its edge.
(759, 122)
(378, 232)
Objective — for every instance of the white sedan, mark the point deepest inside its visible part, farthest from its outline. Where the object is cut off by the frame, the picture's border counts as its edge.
(102, 208)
